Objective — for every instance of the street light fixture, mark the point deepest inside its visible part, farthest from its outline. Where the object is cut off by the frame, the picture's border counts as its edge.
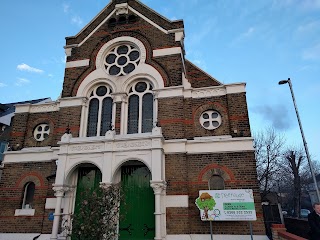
(302, 134)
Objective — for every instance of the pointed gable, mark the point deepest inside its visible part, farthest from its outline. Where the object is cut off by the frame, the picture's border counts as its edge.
(113, 16)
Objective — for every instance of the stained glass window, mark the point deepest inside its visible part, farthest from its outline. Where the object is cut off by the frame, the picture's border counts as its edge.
(140, 108)
(122, 60)
(147, 112)
(93, 117)
(106, 115)
(100, 111)
(133, 116)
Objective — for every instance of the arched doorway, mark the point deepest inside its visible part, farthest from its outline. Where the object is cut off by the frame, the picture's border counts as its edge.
(137, 221)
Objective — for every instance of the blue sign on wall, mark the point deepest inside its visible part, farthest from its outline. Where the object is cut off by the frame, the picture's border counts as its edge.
(51, 216)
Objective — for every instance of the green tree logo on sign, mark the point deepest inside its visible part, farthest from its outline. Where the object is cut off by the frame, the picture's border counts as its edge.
(205, 202)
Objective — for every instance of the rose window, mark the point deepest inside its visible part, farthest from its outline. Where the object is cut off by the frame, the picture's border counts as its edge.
(210, 119)
(41, 132)
(122, 60)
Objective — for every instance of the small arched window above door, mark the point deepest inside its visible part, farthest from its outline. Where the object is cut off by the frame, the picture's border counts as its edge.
(140, 108)
(100, 111)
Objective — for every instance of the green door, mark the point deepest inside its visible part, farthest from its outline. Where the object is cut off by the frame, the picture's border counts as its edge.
(137, 207)
(88, 181)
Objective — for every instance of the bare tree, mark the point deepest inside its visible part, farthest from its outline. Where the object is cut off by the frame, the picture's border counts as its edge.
(268, 152)
(293, 163)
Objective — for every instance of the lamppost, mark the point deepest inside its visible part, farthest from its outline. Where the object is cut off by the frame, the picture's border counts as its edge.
(302, 134)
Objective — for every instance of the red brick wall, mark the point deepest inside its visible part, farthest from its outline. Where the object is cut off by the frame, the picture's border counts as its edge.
(24, 124)
(179, 117)
(13, 180)
(187, 174)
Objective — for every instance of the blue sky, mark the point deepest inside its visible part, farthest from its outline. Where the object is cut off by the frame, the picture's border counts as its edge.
(258, 42)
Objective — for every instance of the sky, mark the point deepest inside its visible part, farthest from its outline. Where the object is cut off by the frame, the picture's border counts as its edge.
(258, 42)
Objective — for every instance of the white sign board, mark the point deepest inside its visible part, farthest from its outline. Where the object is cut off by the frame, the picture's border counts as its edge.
(226, 205)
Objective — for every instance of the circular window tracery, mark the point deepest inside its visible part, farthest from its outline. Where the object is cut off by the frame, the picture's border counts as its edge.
(122, 60)
(41, 132)
(210, 119)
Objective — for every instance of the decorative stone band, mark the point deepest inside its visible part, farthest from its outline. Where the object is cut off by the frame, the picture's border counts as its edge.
(51, 106)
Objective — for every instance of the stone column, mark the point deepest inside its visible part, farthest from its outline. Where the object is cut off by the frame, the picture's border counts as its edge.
(114, 113)
(59, 192)
(155, 109)
(123, 120)
(158, 188)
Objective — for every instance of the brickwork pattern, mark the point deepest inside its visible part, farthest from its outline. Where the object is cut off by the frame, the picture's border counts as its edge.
(13, 180)
(199, 78)
(185, 175)
(24, 125)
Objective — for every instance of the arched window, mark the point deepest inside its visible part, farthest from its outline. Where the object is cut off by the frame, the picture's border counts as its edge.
(28, 195)
(216, 182)
(140, 108)
(100, 111)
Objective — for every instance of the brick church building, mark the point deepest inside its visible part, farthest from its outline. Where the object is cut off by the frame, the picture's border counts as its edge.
(133, 109)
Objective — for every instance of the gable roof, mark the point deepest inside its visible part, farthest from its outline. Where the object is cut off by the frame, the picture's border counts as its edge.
(138, 8)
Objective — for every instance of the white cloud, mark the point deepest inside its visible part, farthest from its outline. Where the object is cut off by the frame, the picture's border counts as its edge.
(50, 75)
(2, 85)
(25, 67)
(312, 53)
(248, 33)
(66, 8)
(308, 27)
(76, 20)
(245, 35)
(22, 81)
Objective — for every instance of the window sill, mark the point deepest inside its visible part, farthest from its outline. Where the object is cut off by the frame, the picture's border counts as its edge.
(24, 212)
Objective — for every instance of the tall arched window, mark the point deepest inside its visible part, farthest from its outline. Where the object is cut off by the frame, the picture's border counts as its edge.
(28, 195)
(100, 111)
(140, 108)
(216, 182)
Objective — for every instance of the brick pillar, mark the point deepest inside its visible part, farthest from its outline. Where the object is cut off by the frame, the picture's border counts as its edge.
(275, 228)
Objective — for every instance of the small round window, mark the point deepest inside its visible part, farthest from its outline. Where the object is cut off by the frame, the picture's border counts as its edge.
(41, 132)
(122, 60)
(210, 119)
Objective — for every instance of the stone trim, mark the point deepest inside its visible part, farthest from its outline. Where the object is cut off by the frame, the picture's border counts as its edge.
(51, 106)
(166, 51)
(78, 63)
(177, 201)
(206, 145)
(24, 212)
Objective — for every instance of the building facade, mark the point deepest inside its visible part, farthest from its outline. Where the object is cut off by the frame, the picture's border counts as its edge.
(132, 110)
